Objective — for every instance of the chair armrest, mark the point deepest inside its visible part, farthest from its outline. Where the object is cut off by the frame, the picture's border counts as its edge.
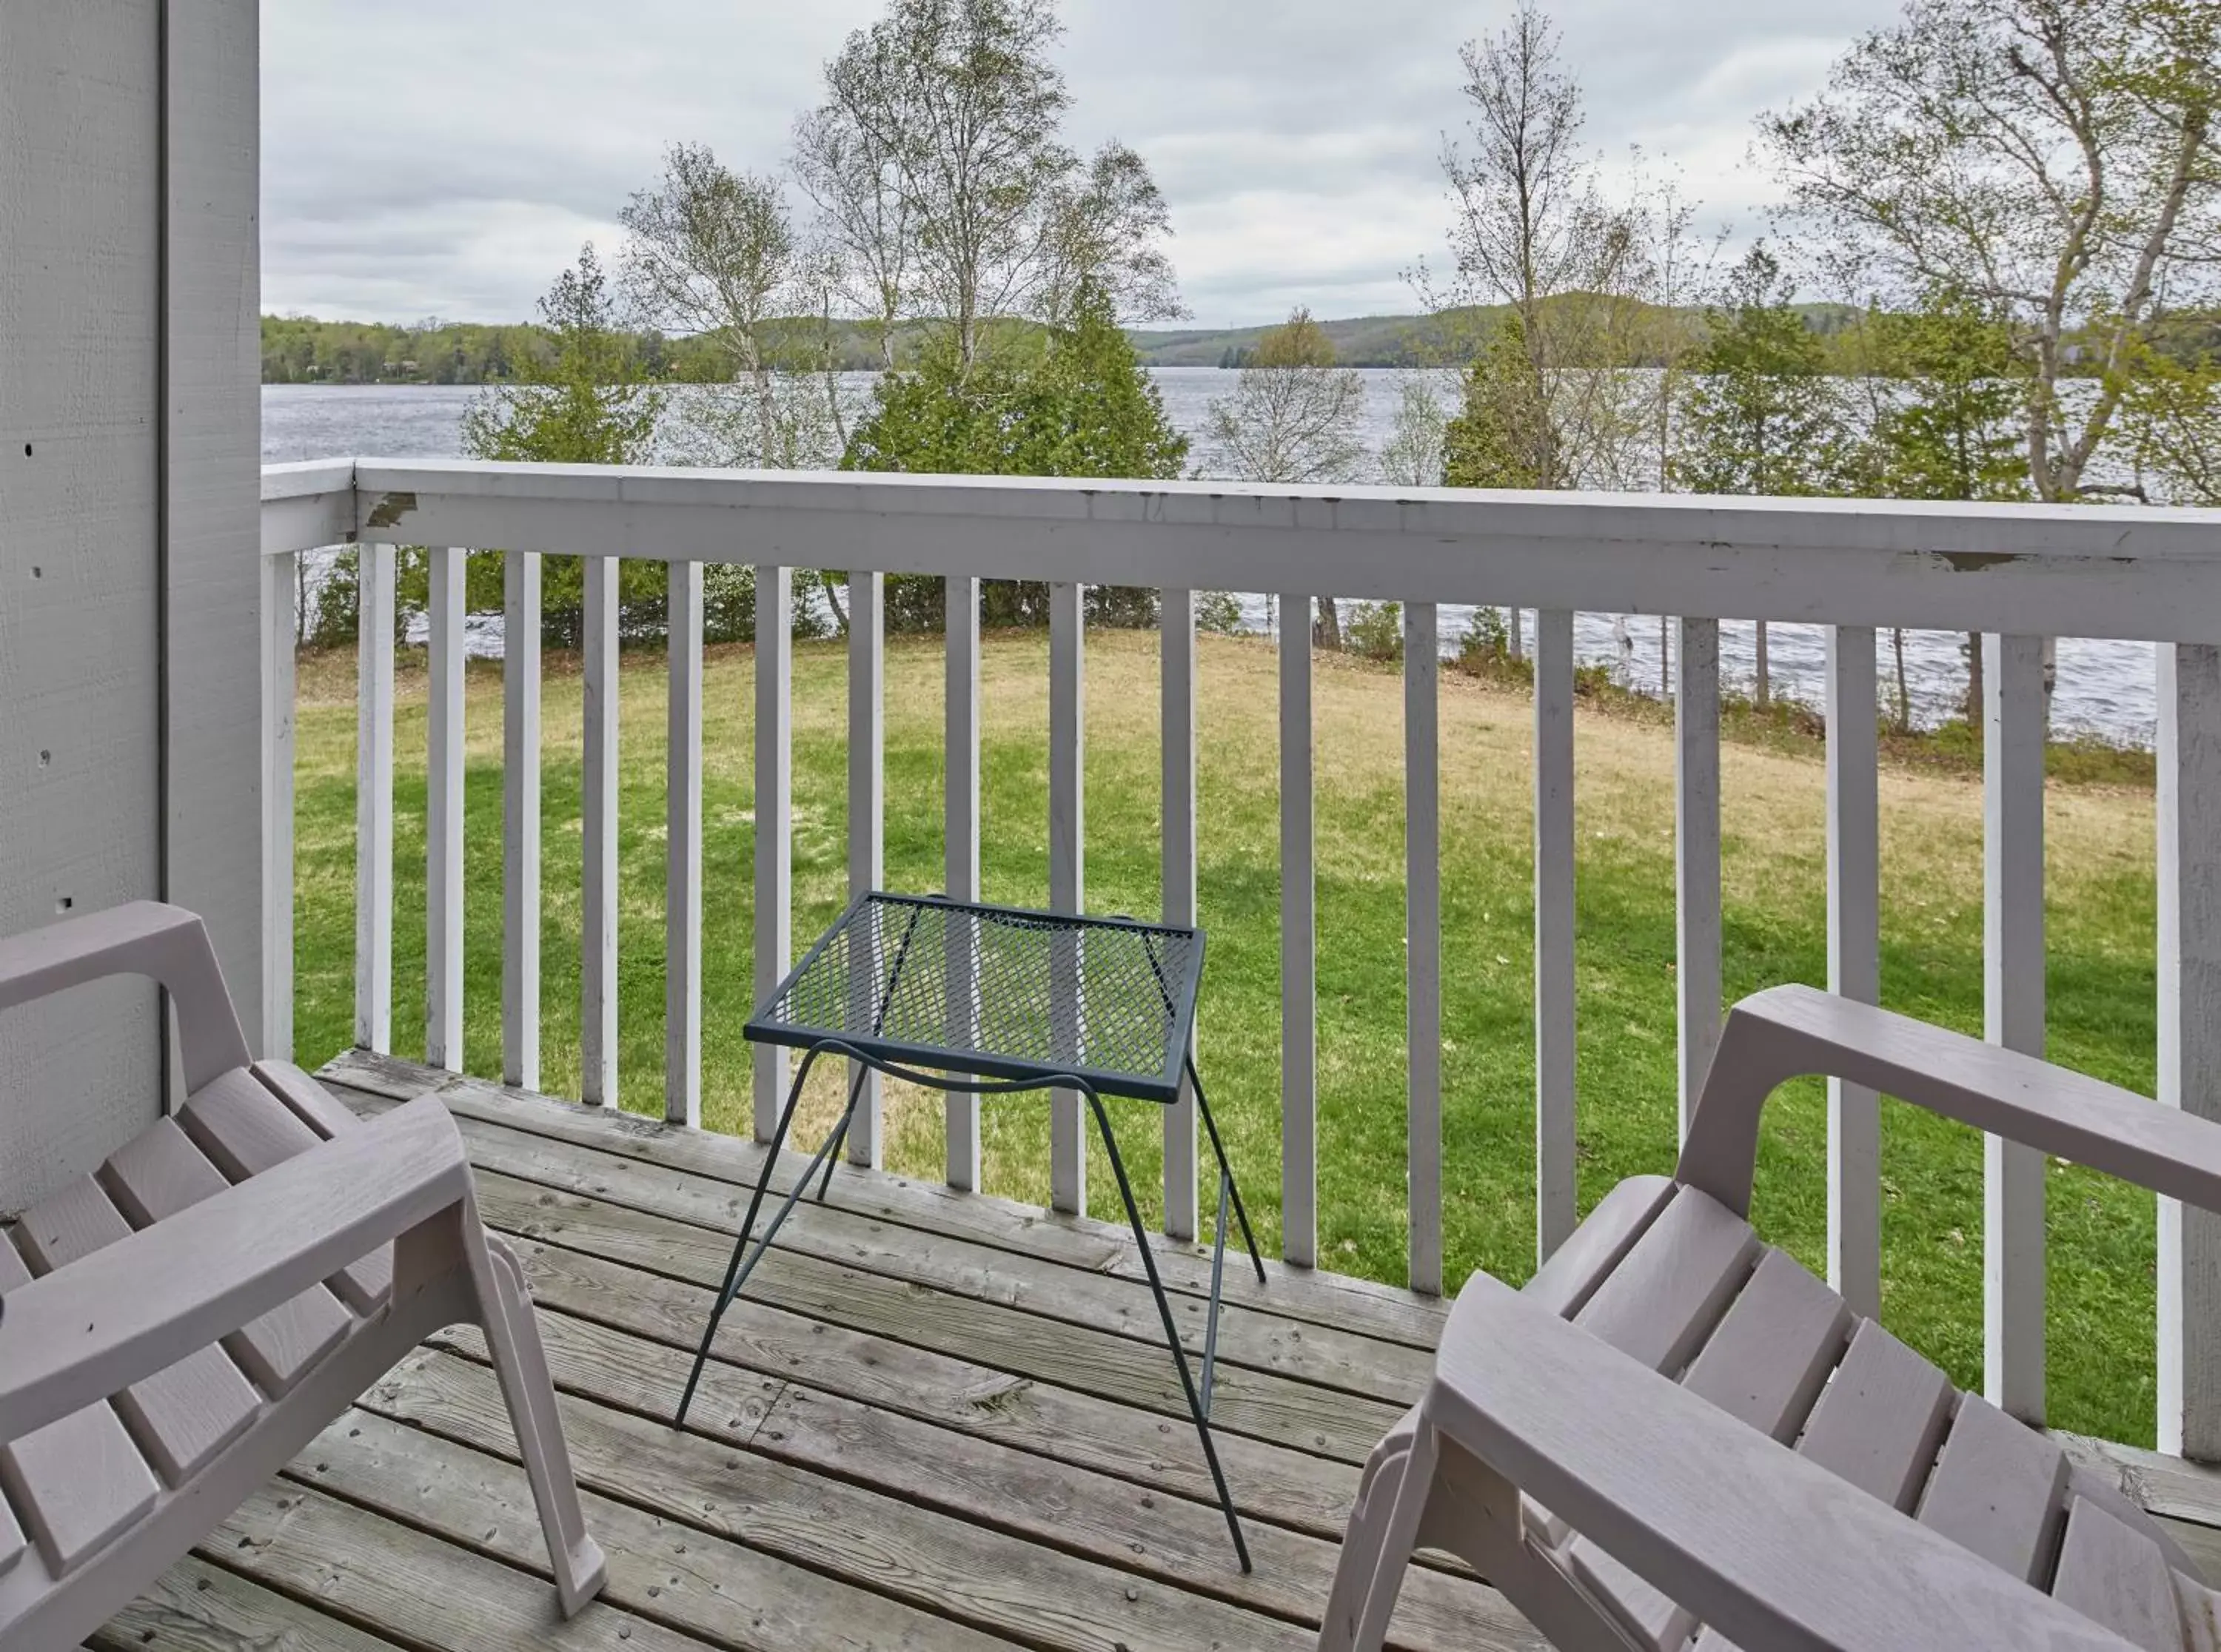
(1788, 1032)
(1768, 1547)
(140, 938)
(134, 1307)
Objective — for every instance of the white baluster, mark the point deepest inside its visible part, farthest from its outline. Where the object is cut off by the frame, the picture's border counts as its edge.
(774, 796)
(1176, 718)
(1696, 853)
(278, 574)
(520, 820)
(1299, 944)
(1854, 962)
(2189, 1035)
(597, 904)
(682, 882)
(2012, 1015)
(1067, 863)
(1423, 945)
(443, 815)
(866, 799)
(961, 852)
(1554, 1144)
(373, 801)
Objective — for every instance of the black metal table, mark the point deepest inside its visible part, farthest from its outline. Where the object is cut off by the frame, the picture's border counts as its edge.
(926, 989)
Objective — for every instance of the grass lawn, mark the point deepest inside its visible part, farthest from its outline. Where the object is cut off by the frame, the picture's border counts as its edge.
(2101, 926)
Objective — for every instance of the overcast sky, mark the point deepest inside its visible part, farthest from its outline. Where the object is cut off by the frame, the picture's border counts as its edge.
(429, 158)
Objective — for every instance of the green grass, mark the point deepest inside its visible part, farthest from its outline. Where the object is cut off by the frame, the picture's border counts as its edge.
(2100, 918)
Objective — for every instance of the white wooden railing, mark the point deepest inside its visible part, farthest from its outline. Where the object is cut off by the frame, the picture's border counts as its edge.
(2016, 574)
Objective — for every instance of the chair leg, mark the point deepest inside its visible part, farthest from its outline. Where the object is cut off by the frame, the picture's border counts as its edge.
(1399, 1537)
(521, 1362)
(1363, 1543)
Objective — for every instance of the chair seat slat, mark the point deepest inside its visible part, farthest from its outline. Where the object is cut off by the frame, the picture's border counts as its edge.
(1996, 1489)
(75, 1483)
(182, 1415)
(2117, 1576)
(1774, 1349)
(1881, 1418)
(160, 1173)
(246, 1129)
(1665, 1295)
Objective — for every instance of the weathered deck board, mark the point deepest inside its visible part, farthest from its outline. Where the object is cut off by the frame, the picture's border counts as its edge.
(1379, 1311)
(1248, 1337)
(937, 1421)
(1257, 1404)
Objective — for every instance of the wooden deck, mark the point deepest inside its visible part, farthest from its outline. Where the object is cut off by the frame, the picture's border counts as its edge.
(937, 1421)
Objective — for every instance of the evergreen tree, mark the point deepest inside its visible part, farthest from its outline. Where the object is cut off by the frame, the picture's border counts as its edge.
(1761, 416)
(1497, 439)
(1075, 402)
(593, 404)
(1952, 435)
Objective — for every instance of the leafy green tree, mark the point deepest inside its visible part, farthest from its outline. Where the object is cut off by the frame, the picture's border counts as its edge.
(1762, 415)
(594, 404)
(1947, 429)
(1500, 436)
(2057, 161)
(1077, 404)
(2175, 424)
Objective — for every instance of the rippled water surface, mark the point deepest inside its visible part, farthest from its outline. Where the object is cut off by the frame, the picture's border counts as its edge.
(2105, 688)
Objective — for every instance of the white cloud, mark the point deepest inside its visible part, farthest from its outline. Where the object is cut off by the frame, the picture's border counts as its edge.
(424, 157)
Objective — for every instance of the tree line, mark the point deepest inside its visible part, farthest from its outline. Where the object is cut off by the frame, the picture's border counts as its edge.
(2012, 206)
(1996, 276)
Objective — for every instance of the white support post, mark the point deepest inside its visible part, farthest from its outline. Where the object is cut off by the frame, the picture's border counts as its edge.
(1422, 945)
(598, 965)
(373, 801)
(278, 573)
(1696, 853)
(1854, 962)
(1176, 717)
(774, 793)
(2012, 1015)
(2190, 1036)
(961, 850)
(443, 814)
(682, 884)
(1067, 862)
(866, 799)
(1299, 944)
(1555, 1189)
(520, 819)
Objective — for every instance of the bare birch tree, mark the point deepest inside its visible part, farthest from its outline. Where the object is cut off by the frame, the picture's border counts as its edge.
(2055, 161)
(1294, 416)
(939, 155)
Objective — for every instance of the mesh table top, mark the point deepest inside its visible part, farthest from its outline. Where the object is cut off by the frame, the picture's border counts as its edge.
(997, 992)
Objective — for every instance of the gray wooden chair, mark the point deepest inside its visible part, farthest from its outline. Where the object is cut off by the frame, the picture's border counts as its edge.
(177, 1326)
(1675, 1434)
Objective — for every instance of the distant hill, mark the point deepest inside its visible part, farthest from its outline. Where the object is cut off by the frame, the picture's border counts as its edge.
(298, 349)
(1358, 341)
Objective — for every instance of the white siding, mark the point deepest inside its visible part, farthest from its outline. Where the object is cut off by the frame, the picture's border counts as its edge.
(80, 590)
(129, 437)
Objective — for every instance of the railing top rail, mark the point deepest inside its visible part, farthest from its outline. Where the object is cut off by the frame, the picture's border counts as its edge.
(2084, 570)
(306, 478)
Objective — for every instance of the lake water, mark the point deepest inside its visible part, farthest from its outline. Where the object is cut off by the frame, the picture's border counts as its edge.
(2105, 688)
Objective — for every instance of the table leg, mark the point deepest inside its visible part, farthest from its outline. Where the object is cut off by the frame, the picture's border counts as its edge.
(1196, 1406)
(1217, 1294)
(745, 1260)
(1226, 1183)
